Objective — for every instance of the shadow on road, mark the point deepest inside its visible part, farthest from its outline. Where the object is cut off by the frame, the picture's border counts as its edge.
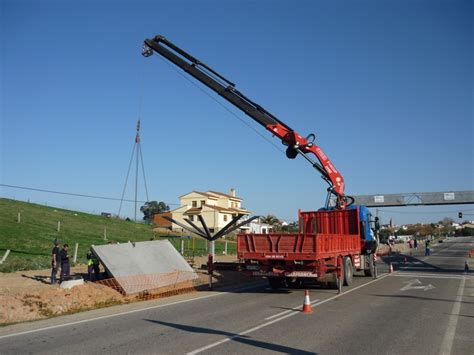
(423, 298)
(403, 262)
(234, 337)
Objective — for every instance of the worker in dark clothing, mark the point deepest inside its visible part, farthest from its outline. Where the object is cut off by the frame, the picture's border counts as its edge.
(92, 265)
(65, 267)
(95, 265)
(427, 248)
(55, 261)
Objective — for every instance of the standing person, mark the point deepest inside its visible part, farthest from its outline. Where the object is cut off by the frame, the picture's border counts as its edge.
(65, 267)
(427, 248)
(92, 265)
(95, 265)
(415, 243)
(55, 261)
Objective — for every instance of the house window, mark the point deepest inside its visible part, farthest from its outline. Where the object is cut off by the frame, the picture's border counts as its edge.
(203, 202)
(225, 218)
(191, 218)
(195, 203)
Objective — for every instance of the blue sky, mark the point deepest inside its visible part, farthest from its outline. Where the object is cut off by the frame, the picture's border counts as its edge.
(386, 86)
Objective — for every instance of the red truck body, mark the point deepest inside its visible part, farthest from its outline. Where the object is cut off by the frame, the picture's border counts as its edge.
(318, 251)
(324, 234)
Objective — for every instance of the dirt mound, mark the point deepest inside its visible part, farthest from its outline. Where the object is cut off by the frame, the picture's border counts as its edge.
(44, 303)
(28, 295)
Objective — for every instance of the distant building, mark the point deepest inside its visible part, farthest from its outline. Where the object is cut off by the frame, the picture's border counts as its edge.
(404, 237)
(258, 227)
(216, 208)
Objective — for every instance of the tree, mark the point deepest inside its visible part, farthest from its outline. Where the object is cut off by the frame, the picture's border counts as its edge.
(272, 221)
(150, 208)
(384, 234)
(446, 222)
(292, 227)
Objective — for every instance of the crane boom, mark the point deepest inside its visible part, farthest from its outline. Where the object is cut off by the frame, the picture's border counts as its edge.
(296, 144)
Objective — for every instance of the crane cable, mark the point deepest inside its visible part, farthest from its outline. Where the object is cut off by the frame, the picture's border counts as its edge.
(222, 105)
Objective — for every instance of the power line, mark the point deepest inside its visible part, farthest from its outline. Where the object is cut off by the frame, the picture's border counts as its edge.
(75, 194)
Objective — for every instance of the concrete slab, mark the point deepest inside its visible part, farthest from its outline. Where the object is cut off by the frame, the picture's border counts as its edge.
(71, 283)
(145, 266)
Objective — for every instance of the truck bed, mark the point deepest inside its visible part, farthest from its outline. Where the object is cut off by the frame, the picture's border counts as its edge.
(323, 234)
(295, 246)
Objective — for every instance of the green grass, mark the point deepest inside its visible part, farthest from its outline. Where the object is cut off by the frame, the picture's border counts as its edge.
(31, 240)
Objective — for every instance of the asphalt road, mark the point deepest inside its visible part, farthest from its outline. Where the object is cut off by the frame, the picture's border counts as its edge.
(425, 307)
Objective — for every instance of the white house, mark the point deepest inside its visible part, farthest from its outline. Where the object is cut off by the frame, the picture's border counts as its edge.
(258, 227)
(216, 208)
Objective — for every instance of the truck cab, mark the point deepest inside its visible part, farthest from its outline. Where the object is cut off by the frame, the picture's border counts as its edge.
(368, 230)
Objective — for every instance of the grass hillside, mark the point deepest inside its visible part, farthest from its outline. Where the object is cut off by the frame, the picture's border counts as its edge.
(31, 240)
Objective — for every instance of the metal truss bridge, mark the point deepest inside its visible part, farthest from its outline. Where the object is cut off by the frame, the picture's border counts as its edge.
(416, 199)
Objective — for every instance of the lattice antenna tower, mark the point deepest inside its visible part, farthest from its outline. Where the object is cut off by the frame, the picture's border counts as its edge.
(138, 157)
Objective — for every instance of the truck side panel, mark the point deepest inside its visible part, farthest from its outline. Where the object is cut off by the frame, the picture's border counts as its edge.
(323, 234)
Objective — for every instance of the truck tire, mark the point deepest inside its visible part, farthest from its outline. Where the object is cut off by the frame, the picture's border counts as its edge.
(293, 282)
(370, 268)
(276, 282)
(348, 271)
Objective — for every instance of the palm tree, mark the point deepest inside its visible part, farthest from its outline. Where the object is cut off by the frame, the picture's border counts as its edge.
(271, 220)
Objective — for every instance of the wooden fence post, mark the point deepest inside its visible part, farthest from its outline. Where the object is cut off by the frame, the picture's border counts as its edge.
(5, 256)
(75, 252)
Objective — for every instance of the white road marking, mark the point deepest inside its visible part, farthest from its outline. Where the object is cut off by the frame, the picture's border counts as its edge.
(430, 276)
(225, 340)
(418, 268)
(296, 308)
(448, 339)
(410, 286)
(124, 313)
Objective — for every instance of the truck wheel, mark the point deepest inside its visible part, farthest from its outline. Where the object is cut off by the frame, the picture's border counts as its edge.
(293, 282)
(370, 267)
(276, 282)
(348, 271)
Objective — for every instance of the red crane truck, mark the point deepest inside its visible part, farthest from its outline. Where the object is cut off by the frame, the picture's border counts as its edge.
(332, 242)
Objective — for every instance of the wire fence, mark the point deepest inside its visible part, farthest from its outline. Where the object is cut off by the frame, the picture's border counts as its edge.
(152, 285)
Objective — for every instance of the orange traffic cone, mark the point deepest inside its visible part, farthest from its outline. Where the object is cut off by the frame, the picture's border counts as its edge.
(390, 269)
(306, 304)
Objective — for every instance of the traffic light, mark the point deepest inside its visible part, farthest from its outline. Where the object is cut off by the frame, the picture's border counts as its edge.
(460, 214)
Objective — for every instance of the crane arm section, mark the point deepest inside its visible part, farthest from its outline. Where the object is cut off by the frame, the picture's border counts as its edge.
(296, 144)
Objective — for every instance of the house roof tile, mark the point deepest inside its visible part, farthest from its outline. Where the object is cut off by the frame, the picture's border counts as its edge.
(225, 195)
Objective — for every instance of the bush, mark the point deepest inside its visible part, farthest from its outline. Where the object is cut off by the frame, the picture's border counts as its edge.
(464, 232)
